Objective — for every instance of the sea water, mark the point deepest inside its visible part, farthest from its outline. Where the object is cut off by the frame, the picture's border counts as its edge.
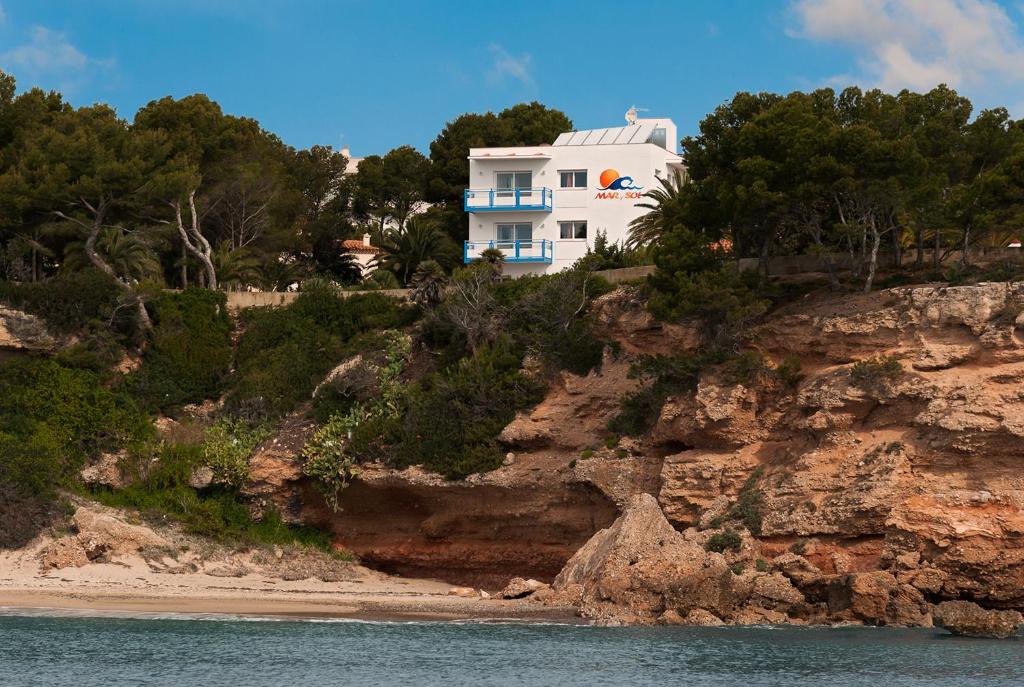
(43, 648)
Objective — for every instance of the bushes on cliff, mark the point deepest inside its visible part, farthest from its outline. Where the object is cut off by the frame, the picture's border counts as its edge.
(346, 437)
(189, 354)
(217, 512)
(454, 418)
(53, 419)
(661, 376)
(71, 301)
(62, 412)
(227, 446)
(870, 373)
(285, 352)
(725, 301)
(546, 316)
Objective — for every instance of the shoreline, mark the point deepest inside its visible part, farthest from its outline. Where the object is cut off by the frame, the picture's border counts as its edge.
(373, 607)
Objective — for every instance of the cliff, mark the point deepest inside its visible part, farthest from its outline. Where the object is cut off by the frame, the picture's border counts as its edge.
(863, 493)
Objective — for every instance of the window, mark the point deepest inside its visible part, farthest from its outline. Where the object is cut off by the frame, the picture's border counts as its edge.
(572, 230)
(573, 178)
(659, 137)
(513, 180)
(507, 233)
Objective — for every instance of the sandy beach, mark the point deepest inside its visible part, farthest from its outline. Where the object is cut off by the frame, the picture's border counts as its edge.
(210, 579)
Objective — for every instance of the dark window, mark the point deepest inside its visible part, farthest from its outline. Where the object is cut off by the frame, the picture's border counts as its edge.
(572, 230)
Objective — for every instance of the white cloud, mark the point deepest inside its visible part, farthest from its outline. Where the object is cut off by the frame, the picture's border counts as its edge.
(917, 44)
(49, 56)
(511, 66)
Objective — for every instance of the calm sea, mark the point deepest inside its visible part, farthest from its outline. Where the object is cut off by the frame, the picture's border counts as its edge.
(180, 652)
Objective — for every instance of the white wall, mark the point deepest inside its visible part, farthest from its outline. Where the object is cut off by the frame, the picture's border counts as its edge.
(608, 211)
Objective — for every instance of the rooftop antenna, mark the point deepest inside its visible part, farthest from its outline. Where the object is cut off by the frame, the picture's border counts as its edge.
(631, 113)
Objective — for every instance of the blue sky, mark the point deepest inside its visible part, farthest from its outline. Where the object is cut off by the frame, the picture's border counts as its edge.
(377, 74)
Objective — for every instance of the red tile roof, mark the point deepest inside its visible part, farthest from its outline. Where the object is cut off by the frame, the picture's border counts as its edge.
(357, 246)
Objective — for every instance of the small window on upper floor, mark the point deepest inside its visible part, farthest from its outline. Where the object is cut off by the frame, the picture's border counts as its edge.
(659, 137)
(573, 178)
(572, 230)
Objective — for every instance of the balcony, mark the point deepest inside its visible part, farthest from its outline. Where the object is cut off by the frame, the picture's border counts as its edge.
(507, 199)
(536, 250)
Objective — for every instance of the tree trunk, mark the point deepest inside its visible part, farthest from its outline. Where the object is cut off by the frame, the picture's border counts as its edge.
(937, 256)
(184, 266)
(194, 241)
(897, 250)
(919, 245)
(876, 240)
(967, 244)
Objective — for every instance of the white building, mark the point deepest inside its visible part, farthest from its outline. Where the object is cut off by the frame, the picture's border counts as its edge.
(363, 252)
(543, 205)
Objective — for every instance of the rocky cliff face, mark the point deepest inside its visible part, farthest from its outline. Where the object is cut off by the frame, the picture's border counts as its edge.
(874, 497)
(24, 333)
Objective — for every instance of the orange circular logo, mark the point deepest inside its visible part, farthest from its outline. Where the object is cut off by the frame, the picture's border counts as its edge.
(608, 177)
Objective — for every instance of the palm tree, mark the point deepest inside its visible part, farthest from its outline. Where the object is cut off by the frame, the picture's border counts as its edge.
(235, 268)
(428, 283)
(495, 259)
(665, 204)
(405, 248)
(130, 256)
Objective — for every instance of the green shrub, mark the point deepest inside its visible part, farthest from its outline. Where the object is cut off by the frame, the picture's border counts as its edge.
(285, 352)
(55, 409)
(761, 565)
(663, 376)
(189, 355)
(227, 447)
(70, 301)
(748, 368)
(455, 416)
(871, 372)
(612, 441)
(53, 420)
(725, 301)
(330, 455)
(587, 453)
(548, 318)
(799, 547)
(723, 541)
(789, 372)
(325, 458)
(750, 503)
(218, 512)
(545, 316)
(738, 567)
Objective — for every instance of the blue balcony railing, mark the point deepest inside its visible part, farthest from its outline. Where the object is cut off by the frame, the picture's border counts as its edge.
(536, 250)
(507, 199)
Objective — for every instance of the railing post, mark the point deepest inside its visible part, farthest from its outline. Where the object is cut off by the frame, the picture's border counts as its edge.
(517, 249)
(517, 199)
(491, 200)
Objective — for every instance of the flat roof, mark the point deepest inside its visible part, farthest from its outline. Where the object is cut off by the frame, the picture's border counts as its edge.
(619, 135)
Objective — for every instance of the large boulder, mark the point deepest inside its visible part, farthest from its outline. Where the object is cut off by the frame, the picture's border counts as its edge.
(877, 598)
(103, 535)
(519, 588)
(640, 567)
(20, 331)
(971, 620)
(106, 471)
